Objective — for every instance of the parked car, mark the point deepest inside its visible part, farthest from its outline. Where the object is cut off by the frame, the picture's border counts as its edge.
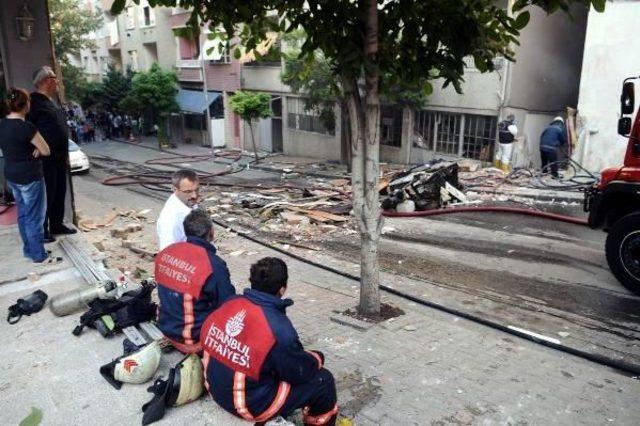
(78, 160)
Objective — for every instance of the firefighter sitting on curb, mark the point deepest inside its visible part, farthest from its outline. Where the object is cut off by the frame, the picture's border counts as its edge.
(255, 365)
(192, 282)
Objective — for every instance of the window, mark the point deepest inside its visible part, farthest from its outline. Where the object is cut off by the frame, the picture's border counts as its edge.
(464, 135)
(104, 64)
(298, 118)
(448, 133)
(478, 137)
(217, 56)
(147, 16)
(133, 59)
(390, 125)
(129, 18)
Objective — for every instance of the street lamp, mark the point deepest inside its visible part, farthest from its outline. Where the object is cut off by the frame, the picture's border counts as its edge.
(25, 23)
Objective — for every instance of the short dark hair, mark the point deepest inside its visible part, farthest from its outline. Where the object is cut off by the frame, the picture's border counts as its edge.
(177, 177)
(269, 275)
(17, 99)
(197, 224)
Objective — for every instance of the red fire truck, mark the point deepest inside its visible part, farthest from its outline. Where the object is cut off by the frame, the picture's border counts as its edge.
(613, 203)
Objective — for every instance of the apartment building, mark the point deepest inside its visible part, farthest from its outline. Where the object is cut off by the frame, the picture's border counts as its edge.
(608, 60)
(137, 38)
(541, 84)
(207, 77)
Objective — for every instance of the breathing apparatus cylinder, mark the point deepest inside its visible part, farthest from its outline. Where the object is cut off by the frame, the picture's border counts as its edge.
(74, 300)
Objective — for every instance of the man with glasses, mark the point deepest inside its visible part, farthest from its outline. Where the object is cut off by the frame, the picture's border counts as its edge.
(50, 120)
(184, 199)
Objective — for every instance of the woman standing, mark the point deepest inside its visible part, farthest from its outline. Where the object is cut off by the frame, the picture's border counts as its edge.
(22, 147)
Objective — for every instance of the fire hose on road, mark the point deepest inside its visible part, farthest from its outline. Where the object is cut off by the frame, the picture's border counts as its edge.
(489, 209)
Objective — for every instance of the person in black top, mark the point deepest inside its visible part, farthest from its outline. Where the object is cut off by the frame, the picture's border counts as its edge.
(50, 121)
(23, 146)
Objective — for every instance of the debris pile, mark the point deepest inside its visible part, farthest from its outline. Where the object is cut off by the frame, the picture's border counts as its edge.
(301, 213)
(428, 186)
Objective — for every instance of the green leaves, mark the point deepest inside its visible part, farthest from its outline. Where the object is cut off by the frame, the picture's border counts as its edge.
(33, 419)
(251, 105)
(154, 89)
(118, 6)
(598, 5)
(71, 23)
(522, 20)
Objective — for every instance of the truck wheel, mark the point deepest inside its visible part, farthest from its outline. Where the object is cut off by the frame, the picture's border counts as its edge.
(623, 251)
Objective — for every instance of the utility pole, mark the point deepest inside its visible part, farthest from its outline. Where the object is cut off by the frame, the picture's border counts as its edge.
(206, 93)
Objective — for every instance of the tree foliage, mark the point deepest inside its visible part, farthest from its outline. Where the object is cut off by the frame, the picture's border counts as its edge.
(71, 22)
(251, 106)
(115, 87)
(154, 90)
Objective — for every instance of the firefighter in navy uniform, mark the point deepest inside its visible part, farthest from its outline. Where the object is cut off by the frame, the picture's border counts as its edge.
(192, 282)
(255, 365)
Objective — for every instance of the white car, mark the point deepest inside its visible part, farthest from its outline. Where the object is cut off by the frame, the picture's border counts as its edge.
(78, 160)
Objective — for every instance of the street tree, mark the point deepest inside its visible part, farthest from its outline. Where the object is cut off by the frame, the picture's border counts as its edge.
(251, 106)
(154, 90)
(397, 43)
(71, 24)
(115, 86)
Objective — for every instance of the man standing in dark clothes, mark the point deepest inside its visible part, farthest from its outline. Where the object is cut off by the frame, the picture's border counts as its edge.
(49, 119)
(553, 138)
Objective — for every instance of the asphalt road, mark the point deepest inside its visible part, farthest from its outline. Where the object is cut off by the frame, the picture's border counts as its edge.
(544, 276)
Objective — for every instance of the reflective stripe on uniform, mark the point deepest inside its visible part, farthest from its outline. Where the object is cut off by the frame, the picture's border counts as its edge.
(240, 401)
(319, 419)
(189, 319)
(205, 364)
(317, 357)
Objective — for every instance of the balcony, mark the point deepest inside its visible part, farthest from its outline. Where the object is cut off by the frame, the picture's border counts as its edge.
(265, 78)
(189, 70)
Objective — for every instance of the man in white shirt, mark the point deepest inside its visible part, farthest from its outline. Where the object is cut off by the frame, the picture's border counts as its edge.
(178, 206)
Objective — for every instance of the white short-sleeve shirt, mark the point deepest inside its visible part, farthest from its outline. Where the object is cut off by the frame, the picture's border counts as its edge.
(169, 226)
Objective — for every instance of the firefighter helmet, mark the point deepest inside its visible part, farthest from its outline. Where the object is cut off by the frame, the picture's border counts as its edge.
(137, 367)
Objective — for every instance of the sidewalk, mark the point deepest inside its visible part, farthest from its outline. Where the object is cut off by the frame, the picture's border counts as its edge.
(276, 163)
(423, 367)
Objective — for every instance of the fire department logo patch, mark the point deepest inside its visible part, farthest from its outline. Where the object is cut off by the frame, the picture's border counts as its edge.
(235, 324)
(129, 365)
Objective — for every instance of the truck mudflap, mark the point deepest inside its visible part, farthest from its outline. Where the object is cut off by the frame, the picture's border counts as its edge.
(591, 204)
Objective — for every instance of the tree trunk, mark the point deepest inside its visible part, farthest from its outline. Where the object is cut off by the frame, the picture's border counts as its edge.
(364, 121)
(253, 141)
(345, 135)
(162, 131)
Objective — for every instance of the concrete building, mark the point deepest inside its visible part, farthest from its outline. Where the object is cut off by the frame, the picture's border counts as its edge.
(541, 84)
(19, 58)
(139, 37)
(610, 56)
(199, 63)
(291, 130)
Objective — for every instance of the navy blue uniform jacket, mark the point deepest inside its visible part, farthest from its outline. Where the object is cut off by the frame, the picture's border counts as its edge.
(553, 137)
(286, 361)
(217, 288)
